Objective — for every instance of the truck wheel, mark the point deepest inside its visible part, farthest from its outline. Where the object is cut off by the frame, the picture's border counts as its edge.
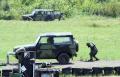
(63, 58)
(29, 19)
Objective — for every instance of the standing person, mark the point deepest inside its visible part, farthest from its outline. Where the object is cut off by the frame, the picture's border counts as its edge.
(93, 51)
(26, 64)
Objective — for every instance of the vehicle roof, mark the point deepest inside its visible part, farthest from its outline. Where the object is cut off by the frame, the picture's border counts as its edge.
(43, 10)
(57, 34)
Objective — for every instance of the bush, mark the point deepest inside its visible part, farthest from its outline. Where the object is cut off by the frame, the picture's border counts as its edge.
(6, 15)
(111, 9)
(106, 9)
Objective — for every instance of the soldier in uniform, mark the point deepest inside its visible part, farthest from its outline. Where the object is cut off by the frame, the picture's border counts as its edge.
(25, 61)
(93, 51)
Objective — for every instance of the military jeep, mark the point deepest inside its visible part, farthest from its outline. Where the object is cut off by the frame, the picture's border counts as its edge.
(43, 15)
(59, 46)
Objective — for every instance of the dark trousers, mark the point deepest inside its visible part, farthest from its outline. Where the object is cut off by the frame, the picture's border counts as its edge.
(93, 56)
(29, 68)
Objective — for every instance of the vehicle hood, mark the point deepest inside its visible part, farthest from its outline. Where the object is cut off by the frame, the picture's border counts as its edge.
(28, 47)
(27, 15)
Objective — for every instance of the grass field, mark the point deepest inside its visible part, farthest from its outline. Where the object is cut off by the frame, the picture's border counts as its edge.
(105, 32)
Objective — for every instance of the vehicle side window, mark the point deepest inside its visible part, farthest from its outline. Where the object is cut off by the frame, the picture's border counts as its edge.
(62, 40)
(48, 13)
(46, 40)
(36, 12)
(39, 12)
(42, 12)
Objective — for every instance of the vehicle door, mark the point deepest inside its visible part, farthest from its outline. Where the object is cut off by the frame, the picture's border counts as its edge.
(45, 47)
(38, 15)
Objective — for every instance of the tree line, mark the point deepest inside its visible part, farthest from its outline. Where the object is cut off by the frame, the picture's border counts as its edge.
(13, 9)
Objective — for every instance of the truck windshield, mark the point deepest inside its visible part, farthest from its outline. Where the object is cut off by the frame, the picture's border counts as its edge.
(33, 12)
(37, 39)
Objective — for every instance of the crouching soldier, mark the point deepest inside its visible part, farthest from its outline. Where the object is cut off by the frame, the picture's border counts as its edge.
(93, 51)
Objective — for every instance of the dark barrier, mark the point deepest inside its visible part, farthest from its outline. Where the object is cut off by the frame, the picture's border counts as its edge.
(108, 70)
(117, 70)
(6, 72)
(81, 71)
(77, 71)
(57, 74)
(47, 72)
(15, 70)
(16, 75)
(67, 70)
(87, 71)
(97, 71)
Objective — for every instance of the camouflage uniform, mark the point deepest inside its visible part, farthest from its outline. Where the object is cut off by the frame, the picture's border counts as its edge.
(93, 51)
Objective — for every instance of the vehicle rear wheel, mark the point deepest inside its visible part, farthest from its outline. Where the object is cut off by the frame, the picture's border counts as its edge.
(63, 58)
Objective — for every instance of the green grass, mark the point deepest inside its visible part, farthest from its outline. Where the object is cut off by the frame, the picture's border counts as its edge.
(105, 32)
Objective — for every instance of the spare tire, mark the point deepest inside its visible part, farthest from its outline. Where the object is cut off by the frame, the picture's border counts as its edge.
(63, 58)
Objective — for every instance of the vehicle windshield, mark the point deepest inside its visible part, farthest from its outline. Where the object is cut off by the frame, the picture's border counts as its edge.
(33, 12)
(37, 39)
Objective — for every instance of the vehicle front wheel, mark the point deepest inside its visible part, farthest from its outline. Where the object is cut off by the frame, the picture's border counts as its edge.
(30, 19)
(63, 58)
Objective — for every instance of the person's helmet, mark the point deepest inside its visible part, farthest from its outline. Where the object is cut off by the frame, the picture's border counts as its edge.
(88, 44)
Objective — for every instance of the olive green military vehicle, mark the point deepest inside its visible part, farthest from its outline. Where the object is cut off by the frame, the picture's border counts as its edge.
(59, 46)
